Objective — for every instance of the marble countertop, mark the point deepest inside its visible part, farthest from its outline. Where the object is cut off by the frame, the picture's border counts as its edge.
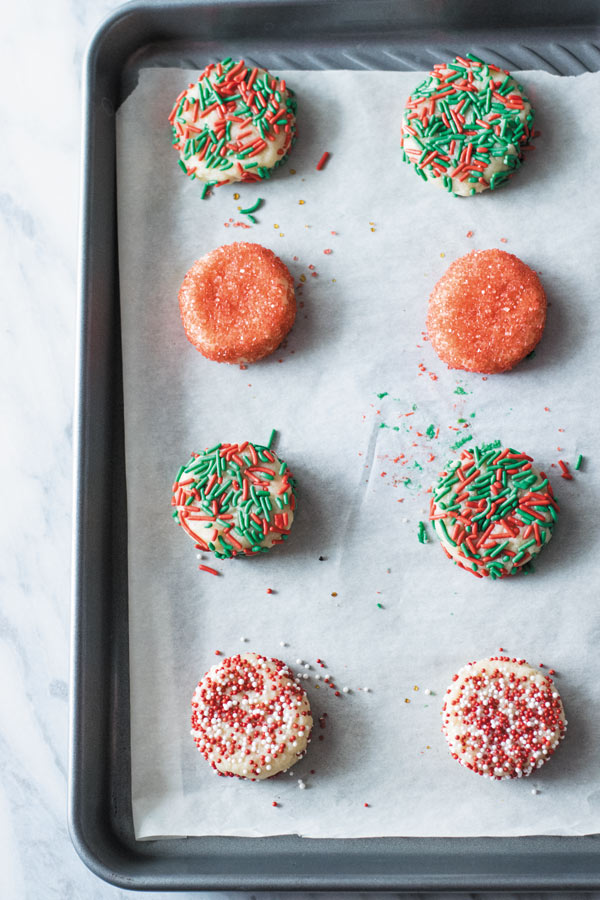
(44, 43)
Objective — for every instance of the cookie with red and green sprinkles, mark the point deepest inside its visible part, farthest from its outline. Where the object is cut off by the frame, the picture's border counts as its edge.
(492, 511)
(466, 125)
(502, 718)
(234, 123)
(235, 499)
(251, 717)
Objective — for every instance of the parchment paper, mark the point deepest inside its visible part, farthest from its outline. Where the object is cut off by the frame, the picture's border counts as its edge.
(352, 396)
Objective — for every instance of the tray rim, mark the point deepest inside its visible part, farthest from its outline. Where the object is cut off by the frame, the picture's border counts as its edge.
(111, 862)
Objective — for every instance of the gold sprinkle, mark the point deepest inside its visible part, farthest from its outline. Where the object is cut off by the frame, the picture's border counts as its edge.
(334, 593)
(239, 208)
(372, 229)
(281, 234)
(333, 280)
(276, 226)
(236, 197)
(371, 223)
(406, 700)
(303, 278)
(427, 747)
(301, 202)
(292, 171)
(442, 255)
(416, 687)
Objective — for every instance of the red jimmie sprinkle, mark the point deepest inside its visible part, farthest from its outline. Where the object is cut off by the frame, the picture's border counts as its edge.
(208, 569)
(322, 161)
(565, 470)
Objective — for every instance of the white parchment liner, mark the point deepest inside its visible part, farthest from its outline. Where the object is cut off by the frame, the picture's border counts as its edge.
(359, 334)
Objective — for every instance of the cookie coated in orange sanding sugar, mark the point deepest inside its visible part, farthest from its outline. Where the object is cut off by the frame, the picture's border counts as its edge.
(487, 312)
(237, 303)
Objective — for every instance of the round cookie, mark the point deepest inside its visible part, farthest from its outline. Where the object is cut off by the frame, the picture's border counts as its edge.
(251, 717)
(502, 718)
(235, 123)
(235, 499)
(487, 312)
(464, 127)
(493, 511)
(237, 303)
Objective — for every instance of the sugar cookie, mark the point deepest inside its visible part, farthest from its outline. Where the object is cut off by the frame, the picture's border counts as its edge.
(234, 123)
(235, 499)
(493, 511)
(237, 303)
(502, 718)
(465, 126)
(251, 717)
(487, 312)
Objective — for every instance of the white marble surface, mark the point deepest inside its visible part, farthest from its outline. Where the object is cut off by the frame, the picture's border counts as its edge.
(41, 51)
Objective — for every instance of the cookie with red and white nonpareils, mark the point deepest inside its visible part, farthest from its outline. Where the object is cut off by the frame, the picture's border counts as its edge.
(237, 303)
(502, 718)
(235, 499)
(251, 718)
(492, 511)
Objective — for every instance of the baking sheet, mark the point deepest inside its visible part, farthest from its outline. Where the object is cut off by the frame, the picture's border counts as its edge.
(364, 463)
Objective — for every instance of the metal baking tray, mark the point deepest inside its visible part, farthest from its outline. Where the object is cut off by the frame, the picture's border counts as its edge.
(293, 34)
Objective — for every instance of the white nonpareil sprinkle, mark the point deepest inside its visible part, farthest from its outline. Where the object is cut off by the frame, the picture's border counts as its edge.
(427, 691)
(282, 644)
(346, 690)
